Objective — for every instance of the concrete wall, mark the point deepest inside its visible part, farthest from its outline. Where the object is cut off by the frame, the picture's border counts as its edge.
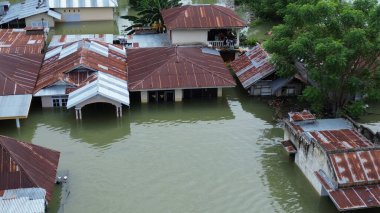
(189, 36)
(144, 96)
(86, 14)
(47, 101)
(178, 95)
(38, 19)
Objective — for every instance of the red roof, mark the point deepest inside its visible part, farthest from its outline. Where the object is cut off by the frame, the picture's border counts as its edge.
(252, 66)
(351, 198)
(89, 54)
(201, 16)
(343, 139)
(301, 116)
(181, 67)
(25, 165)
(18, 42)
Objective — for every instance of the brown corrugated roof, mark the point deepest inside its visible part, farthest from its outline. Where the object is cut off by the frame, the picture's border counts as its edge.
(20, 59)
(37, 165)
(201, 16)
(56, 69)
(16, 41)
(176, 67)
(301, 116)
(252, 66)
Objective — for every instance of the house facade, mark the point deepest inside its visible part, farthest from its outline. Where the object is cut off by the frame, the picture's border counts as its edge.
(175, 73)
(211, 25)
(83, 72)
(336, 158)
(258, 76)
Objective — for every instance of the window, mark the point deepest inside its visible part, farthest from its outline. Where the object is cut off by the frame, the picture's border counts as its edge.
(290, 91)
(59, 101)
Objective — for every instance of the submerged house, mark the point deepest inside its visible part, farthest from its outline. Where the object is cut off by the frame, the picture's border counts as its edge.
(211, 25)
(83, 72)
(20, 62)
(337, 160)
(27, 175)
(45, 13)
(258, 75)
(174, 73)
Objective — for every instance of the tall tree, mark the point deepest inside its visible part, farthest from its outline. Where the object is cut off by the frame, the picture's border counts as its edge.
(339, 44)
(149, 12)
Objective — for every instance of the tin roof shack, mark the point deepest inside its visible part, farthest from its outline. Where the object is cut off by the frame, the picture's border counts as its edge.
(257, 75)
(29, 13)
(25, 200)
(83, 72)
(171, 73)
(212, 25)
(25, 165)
(81, 10)
(338, 161)
(20, 62)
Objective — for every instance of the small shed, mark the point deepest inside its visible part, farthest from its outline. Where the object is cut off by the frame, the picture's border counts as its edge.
(257, 75)
(25, 165)
(174, 73)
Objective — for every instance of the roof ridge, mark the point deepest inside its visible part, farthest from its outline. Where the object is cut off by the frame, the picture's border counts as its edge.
(177, 14)
(218, 8)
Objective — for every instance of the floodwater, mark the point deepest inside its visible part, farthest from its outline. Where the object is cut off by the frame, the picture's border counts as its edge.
(202, 155)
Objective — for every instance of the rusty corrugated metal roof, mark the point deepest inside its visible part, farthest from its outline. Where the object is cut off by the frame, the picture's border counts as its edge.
(305, 115)
(16, 41)
(351, 198)
(171, 67)
(37, 165)
(252, 66)
(356, 168)
(340, 140)
(88, 54)
(289, 147)
(201, 16)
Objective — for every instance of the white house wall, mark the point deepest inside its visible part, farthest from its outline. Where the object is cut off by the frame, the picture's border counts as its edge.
(46, 101)
(86, 14)
(189, 36)
(37, 19)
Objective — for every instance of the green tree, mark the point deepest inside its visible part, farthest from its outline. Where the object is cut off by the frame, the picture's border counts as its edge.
(339, 44)
(149, 12)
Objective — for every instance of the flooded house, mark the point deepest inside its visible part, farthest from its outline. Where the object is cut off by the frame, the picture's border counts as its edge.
(20, 59)
(27, 176)
(258, 76)
(336, 158)
(211, 25)
(83, 72)
(45, 13)
(174, 73)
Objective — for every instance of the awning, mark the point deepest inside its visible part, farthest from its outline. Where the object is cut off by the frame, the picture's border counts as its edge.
(351, 198)
(54, 14)
(14, 106)
(54, 90)
(289, 147)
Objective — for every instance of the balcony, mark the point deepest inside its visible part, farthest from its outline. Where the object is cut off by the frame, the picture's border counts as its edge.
(223, 38)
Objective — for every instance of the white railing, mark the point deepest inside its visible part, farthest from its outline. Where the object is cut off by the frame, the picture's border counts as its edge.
(221, 44)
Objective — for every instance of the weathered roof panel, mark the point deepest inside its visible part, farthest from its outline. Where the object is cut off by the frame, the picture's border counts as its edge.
(81, 3)
(39, 164)
(252, 66)
(170, 68)
(201, 16)
(305, 115)
(15, 106)
(22, 204)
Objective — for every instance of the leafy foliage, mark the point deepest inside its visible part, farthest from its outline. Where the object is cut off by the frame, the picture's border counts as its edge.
(149, 12)
(338, 42)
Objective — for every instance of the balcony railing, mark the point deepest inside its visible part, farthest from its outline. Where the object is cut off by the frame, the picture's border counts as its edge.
(221, 44)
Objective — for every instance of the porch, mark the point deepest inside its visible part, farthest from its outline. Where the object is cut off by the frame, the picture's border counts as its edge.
(223, 38)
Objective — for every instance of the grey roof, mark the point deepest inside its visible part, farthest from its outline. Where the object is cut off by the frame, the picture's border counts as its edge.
(27, 9)
(52, 90)
(279, 83)
(15, 106)
(31, 193)
(81, 3)
(26, 200)
(59, 40)
(106, 85)
(325, 124)
(210, 51)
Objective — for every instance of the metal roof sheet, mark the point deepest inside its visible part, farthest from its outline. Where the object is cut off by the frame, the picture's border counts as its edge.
(16, 41)
(15, 106)
(176, 67)
(86, 54)
(82, 3)
(105, 85)
(51, 91)
(31, 193)
(38, 165)
(305, 115)
(201, 16)
(23, 204)
(252, 66)
(59, 40)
